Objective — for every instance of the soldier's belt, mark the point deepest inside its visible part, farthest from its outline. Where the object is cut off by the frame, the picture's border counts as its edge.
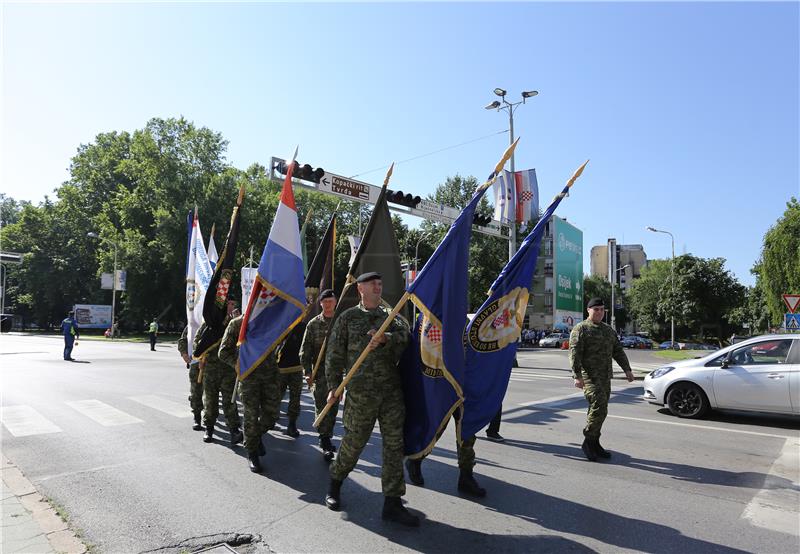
(290, 369)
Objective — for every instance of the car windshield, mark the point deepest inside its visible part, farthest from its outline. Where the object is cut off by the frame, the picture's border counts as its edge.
(763, 352)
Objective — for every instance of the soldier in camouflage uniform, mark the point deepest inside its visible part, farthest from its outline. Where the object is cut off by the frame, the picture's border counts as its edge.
(195, 388)
(259, 392)
(219, 377)
(316, 331)
(592, 344)
(290, 375)
(374, 393)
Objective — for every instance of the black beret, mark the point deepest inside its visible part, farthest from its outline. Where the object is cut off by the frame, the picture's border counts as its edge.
(327, 293)
(371, 276)
(595, 302)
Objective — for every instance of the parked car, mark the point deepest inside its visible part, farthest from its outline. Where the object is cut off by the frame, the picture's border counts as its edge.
(629, 341)
(761, 374)
(554, 340)
(666, 345)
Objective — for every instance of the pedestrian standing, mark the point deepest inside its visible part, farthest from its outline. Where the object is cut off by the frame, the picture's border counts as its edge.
(375, 393)
(69, 328)
(314, 337)
(195, 388)
(592, 345)
(259, 392)
(153, 334)
(493, 430)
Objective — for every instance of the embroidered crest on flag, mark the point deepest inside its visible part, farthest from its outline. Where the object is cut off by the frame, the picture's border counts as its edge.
(431, 343)
(223, 286)
(499, 323)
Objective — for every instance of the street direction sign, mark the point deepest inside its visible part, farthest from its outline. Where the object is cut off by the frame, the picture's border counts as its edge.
(792, 302)
(349, 188)
(792, 322)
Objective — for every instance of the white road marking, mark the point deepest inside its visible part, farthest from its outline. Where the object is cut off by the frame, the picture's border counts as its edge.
(533, 377)
(679, 424)
(775, 506)
(103, 413)
(24, 421)
(163, 405)
(553, 401)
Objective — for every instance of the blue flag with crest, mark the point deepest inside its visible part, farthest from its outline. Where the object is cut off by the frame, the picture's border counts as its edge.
(491, 337)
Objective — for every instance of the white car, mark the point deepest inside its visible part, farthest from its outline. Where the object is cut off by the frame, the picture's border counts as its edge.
(554, 340)
(761, 374)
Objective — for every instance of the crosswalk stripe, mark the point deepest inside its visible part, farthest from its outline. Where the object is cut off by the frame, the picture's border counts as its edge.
(24, 421)
(163, 405)
(102, 413)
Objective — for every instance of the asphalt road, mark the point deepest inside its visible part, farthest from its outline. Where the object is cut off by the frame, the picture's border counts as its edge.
(108, 439)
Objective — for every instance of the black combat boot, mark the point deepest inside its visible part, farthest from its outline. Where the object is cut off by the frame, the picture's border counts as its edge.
(393, 510)
(414, 470)
(197, 425)
(589, 450)
(209, 436)
(334, 496)
(327, 448)
(255, 462)
(468, 485)
(236, 436)
(601, 452)
(291, 429)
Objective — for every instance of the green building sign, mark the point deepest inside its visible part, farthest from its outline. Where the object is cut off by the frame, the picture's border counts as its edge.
(568, 254)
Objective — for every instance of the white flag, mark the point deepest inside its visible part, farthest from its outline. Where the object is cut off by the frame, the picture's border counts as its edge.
(198, 276)
(505, 198)
(213, 257)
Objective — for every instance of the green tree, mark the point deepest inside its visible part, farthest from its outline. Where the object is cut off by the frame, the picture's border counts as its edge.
(778, 269)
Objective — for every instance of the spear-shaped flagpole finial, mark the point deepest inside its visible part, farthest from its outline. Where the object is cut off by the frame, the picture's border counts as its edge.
(388, 175)
(576, 174)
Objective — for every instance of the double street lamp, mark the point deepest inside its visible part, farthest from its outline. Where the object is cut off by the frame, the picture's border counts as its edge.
(672, 278)
(504, 104)
(94, 235)
(613, 283)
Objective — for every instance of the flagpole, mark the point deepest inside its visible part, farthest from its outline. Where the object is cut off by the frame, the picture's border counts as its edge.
(378, 334)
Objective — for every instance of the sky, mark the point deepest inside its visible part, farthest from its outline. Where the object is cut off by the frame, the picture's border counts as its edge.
(688, 112)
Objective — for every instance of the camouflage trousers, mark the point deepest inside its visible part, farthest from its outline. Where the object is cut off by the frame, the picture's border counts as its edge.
(195, 389)
(294, 382)
(597, 392)
(361, 410)
(260, 400)
(216, 381)
(465, 451)
(325, 428)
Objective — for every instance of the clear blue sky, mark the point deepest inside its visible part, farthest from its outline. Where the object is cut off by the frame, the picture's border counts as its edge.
(688, 111)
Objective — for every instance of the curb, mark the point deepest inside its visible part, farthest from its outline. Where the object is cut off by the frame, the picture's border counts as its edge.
(35, 523)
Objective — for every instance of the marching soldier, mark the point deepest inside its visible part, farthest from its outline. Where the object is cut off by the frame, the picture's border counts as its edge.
(592, 344)
(290, 374)
(219, 377)
(259, 393)
(195, 388)
(374, 393)
(315, 334)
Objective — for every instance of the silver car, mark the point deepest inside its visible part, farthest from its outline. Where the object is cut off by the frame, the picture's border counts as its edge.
(761, 374)
(554, 340)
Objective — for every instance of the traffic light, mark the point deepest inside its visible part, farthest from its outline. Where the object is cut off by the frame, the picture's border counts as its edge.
(301, 171)
(482, 220)
(399, 197)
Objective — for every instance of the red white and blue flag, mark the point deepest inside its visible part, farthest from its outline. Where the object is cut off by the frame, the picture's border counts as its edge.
(277, 301)
(516, 197)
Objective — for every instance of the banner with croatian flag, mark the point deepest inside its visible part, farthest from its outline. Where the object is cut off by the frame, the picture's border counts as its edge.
(278, 300)
(516, 197)
(198, 277)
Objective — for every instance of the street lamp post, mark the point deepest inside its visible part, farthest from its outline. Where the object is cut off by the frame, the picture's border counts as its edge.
(113, 280)
(510, 107)
(672, 278)
(614, 282)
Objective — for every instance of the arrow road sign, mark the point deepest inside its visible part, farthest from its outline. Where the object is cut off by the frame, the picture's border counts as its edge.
(349, 188)
(792, 302)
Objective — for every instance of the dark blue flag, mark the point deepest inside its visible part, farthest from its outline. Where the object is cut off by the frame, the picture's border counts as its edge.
(493, 332)
(433, 368)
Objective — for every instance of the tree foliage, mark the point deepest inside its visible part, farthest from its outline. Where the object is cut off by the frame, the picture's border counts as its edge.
(778, 270)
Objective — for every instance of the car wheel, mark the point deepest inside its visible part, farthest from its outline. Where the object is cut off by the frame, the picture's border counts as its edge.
(687, 400)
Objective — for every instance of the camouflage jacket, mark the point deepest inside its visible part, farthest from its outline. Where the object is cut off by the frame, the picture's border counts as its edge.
(349, 338)
(213, 363)
(591, 347)
(229, 350)
(316, 331)
(183, 342)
